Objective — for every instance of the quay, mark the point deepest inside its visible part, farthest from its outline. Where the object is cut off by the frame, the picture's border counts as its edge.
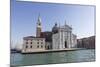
(56, 50)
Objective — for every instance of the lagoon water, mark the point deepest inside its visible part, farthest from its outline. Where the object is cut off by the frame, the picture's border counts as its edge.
(56, 57)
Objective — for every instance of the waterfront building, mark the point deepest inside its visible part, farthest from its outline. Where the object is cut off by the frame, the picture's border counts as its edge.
(62, 37)
(31, 44)
(87, 42)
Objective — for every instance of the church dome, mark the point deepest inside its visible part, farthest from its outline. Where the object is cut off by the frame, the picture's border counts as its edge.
(55, 29)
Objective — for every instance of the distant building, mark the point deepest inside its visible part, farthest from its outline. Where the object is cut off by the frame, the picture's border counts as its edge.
(31, 44)
(74, 41)
(62, 37)
(88, 42)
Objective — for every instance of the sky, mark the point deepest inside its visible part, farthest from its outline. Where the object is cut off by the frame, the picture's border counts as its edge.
(24, 17)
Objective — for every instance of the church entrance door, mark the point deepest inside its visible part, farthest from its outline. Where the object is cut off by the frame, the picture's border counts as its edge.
(65, 44)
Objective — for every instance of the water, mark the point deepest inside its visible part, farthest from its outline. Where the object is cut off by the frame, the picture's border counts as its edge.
(56, 57)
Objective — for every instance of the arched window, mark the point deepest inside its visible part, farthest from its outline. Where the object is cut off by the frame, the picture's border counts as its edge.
(37, 42)
(38, 46)
(41, 46)
(31, 46)
(31, 43)
(26, 42)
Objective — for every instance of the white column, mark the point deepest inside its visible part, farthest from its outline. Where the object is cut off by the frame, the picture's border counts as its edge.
(59, 39)
(53, 43)
(69, 39)
(63, 40)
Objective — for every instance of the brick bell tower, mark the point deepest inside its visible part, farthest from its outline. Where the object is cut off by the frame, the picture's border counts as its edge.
(39, 27)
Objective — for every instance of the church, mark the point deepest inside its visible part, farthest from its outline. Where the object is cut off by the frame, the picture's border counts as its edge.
(60, 37)
(63, 37)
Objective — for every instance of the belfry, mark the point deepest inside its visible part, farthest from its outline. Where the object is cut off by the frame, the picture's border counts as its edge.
(39, 27)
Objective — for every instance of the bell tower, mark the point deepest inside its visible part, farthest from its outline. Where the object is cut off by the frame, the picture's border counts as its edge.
(39, 27)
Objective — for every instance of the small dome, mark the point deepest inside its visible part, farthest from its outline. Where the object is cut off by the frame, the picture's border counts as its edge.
(55, 29)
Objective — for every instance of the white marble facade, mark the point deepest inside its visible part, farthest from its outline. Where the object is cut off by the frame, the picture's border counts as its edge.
(64, 38)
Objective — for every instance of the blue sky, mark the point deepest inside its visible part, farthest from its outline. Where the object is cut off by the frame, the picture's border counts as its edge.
(24, 17)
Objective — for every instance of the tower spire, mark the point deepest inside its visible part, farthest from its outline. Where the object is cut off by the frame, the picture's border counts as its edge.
(39, 26)
(39, 18)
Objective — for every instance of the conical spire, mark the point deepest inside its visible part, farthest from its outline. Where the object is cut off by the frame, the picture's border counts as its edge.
(39, 18)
